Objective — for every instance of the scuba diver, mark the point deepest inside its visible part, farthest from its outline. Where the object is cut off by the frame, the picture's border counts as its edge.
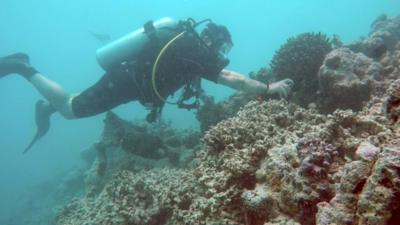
(147, 65)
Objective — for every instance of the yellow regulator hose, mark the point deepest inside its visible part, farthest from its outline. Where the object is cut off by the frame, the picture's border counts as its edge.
(155, 67)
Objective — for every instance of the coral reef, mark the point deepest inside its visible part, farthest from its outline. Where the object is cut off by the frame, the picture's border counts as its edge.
(299, 59)
(136, 146)
(271, 163)
(211, 113)
(128, 198)
(346, 80)
(368, 192)
(390, 62)
(154, 142)
(236, 148)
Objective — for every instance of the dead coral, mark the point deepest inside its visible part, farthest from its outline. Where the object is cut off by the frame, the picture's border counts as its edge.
(142, 198)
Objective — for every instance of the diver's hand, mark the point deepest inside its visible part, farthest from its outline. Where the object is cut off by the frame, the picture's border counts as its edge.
(282, 88)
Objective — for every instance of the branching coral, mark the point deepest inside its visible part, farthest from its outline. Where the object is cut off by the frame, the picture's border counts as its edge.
(299, 59)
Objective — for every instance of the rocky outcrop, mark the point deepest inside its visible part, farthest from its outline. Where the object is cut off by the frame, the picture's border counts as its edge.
(383, 36)
(346, 80)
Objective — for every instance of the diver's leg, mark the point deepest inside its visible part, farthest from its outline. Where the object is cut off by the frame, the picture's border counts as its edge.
(114, 88)
(18, 63)
(54, 93)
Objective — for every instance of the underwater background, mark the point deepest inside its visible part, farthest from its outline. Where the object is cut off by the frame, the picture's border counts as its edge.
(55, 34)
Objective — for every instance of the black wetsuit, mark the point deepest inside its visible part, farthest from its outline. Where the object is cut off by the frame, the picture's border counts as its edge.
(186, 59)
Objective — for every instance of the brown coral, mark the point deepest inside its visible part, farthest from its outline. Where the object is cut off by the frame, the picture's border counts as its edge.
(299, 59)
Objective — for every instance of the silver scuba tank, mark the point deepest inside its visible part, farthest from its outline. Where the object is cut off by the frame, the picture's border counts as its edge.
(127, 47)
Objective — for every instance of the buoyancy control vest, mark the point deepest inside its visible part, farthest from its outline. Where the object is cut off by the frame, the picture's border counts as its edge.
(167, 55)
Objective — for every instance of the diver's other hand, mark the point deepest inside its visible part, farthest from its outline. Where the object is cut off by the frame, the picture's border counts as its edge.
(281, 88)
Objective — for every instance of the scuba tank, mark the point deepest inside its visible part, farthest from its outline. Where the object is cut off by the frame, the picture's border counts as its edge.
(129, 46)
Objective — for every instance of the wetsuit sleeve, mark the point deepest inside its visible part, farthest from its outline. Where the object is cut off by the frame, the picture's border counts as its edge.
(213, 67)
(209, 64)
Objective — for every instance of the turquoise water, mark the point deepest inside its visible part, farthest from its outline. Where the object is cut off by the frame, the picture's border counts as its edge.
(55, 34)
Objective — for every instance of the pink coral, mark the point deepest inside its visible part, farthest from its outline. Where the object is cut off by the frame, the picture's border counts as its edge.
(316, 157)
(367, 151)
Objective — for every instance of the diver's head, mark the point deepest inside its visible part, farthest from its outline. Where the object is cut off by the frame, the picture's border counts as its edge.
(217, 38)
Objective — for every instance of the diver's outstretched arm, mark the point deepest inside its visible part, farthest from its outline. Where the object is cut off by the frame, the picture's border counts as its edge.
(242, 83)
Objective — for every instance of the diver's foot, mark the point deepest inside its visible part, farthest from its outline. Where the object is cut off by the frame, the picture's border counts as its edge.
(16, 63)
(43, 112)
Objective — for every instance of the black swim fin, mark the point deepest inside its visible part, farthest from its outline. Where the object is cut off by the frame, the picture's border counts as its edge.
(43, 111)
(16, 63)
